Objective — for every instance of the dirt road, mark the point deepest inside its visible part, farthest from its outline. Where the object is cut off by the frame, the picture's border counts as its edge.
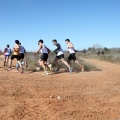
(81, 96)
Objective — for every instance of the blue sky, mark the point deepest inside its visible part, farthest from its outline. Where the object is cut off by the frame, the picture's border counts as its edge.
(84, 22)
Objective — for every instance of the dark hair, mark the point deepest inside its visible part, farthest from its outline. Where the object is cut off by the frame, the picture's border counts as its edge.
(68, 40)
(8, 46)
(20, 43)
(41, 41)
(54, 40)
(17, 42)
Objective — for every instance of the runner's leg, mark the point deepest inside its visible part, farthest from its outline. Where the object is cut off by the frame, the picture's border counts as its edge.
(5, 61)
(10, 63)
(81, 66)
(63, 61)
(19, 63)
(42, 63)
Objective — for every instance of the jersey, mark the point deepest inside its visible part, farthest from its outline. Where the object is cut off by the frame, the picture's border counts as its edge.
(71, 49)
(22, 49)
(44, 49)
(7, 51)
(59, 50)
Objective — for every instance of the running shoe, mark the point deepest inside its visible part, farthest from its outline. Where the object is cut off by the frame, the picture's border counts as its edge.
(45, 73)
(50, 67)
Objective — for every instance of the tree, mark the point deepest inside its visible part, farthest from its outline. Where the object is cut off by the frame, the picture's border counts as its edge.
(105, 49)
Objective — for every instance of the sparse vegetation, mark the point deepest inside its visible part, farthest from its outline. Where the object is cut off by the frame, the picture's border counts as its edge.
(110, 55)
(33, 62)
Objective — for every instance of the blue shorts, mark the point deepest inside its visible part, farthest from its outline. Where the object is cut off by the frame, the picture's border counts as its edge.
(7, 55)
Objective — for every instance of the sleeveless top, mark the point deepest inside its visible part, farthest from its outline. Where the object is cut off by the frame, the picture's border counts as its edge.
(22, 49)
(44, 49)
(60, 51)
(7, 51)
(71, 50)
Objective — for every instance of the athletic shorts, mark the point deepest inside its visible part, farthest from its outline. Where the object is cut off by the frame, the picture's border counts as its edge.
(7, 56)
(44, 57)
(72, 57)
(22, 56)
(15, 56)
(60, 56)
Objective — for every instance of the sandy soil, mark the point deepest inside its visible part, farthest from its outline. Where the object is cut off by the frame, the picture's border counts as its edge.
(83, 96)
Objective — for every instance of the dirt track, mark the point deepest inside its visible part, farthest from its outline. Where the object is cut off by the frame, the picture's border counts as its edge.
(84, 96)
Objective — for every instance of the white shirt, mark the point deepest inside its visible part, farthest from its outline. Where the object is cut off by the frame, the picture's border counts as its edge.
(8, 51)
(71, 50)
(44, 49)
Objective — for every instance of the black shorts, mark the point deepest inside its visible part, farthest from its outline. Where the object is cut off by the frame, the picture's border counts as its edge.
(15, 56)
(22, 56)
(44, 57)
(72, 57)
(60, 56)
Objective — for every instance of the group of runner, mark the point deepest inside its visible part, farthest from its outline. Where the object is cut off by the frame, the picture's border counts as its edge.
(19, 51)
(44, 51)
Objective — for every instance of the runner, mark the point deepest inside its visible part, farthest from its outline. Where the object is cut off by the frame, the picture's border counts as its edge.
(47, 64)
(7, 53)
(72, 54)
(16, 54)
(44, 55)
(22, 55)
(60, 56)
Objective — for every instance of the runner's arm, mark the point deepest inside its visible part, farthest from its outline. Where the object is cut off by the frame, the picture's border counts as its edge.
(38, 50)
(58, 48)
(70, 45)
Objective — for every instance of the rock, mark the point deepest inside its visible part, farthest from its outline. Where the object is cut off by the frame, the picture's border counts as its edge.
(58, 97)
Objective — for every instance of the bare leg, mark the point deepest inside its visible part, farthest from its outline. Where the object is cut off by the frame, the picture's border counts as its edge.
(81, 66)
(42, 63)
(19, 62)
(63, 60)
(22, 63)
(39, 62)
(7, 59)
(10, 63)
(46, 66)
(4, 60)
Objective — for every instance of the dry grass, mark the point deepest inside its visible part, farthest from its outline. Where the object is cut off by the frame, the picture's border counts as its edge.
(112, 56)
(33, 62)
